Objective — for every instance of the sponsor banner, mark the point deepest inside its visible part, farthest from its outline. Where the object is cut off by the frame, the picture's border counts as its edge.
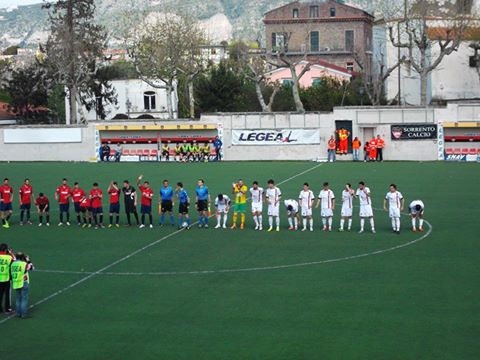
(42, 135)
(453, 157)
(414, 132)
(441, 142)
(276, 137)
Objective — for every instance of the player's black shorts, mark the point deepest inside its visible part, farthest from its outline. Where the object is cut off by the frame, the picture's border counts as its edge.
(77, 207)
(97, 211)
(25, 206)
(202, 205)
(130, 208)
(166, 205)
(42, 207)
(84, 209)
(165, 152)
(183, 208)
(64, 207)
(114, 208)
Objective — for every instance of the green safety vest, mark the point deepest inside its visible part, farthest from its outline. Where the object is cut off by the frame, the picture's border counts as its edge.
(191, 148)
(5, 262)
(178, 149)
(185, 148)
(196, 148)
(18, 272)
(206, 149)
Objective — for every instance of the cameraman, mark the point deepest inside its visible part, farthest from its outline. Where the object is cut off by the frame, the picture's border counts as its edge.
(6, 259)
(20, 282)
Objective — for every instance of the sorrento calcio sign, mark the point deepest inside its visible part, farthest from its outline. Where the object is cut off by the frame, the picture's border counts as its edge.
(414, 132)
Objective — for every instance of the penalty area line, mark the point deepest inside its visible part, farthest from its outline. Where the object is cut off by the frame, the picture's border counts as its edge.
(136, 252)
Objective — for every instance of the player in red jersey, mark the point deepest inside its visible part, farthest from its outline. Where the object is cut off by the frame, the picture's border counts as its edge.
(62, 195)
(146, 201)
(43, 207)
(96, 195)
(6, 198)
(26, 196)
(114, 193)
(77, 195)
(86, 210)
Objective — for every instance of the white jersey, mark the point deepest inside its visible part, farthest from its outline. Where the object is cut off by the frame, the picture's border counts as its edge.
(413, 205)
(326, 198)
(293, 204)
(364, 196)
(223, 204)
(347, 203)
(394, 199)
(256, 195)
(306, 198)
(273, 195)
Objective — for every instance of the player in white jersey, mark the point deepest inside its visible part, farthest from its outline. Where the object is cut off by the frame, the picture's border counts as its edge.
(416, 209)
(306, 199)
(366, 211)
(292, 213)
(327, 199)
(256, 194)
(273, 195)
(348, 194)
(394, 200)
(222, 206)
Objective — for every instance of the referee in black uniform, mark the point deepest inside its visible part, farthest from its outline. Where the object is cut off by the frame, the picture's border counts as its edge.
(130, 199)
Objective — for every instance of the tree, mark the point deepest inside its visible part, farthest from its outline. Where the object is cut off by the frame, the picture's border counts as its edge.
(166, 48)
(73, 48)
(254, 67)
(28, 91)
(428, 32)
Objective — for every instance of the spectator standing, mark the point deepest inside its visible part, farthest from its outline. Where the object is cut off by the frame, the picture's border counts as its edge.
(373, 149)
(217, 144)
(356, 143)
(118, 152)
(6, 259)
(380, 147)
(332, 148)
(366, 151)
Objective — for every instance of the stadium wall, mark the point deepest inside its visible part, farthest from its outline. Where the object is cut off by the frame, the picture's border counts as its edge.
(80, 143)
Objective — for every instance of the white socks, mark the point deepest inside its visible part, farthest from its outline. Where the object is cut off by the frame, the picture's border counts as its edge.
(270, 221)
(219, 219)
(255, 218)
(304, 222)
(296, 222)
(349, 224)
(342, 223)
(290, 222)
(372, 224)
(277, 218)
(330, 220)
(225, 218)
(362, 224)
(420, 223)
(324, 222)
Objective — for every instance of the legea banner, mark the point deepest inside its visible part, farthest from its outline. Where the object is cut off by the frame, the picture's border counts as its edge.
(276, 137)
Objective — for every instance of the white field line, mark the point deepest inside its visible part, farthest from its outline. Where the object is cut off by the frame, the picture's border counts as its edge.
(136, 252)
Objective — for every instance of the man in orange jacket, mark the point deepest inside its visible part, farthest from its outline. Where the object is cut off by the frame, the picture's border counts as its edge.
(380, 146)
(343, 135)
(372, 149)
(332, 148)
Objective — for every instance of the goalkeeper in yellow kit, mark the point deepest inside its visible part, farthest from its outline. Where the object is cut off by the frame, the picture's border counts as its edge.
(239, 190)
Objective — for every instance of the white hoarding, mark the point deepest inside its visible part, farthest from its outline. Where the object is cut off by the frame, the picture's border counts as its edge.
(42, 136)
(276, 137)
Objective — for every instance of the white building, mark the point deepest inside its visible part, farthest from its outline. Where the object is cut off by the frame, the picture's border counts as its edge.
(135, 100)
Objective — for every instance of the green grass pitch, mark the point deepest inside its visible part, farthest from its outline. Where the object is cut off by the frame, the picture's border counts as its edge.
(419, 301)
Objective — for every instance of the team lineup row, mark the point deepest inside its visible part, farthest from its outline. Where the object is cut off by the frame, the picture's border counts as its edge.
(89, 207)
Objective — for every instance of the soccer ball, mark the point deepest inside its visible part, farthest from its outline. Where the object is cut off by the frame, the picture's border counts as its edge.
(184, 225)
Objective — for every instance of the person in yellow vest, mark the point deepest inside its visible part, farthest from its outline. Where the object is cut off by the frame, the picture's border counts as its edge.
(6, 259)
(20, 283)
(196, 152)
(206, 152)
(166, 151)
(178, 152)
(239, 190)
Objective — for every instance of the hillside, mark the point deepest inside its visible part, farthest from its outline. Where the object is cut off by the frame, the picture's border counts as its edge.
(223, 19)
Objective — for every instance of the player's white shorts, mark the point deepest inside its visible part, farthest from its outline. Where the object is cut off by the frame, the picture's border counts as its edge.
(306, 211)
(414, 212)
(347, 211)
(257, 207)
(327, 212)
(394, 212)
(366, 211)
(274, 210)
(222, 209)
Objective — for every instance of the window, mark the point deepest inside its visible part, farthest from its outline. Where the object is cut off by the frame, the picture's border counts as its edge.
(349, 40)
(314, 41)
(317, 82)
(350, 66)
(149, 100)
(332, 12)
(287, 82)
(314, 11)
(279, 42)
(295, 13)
